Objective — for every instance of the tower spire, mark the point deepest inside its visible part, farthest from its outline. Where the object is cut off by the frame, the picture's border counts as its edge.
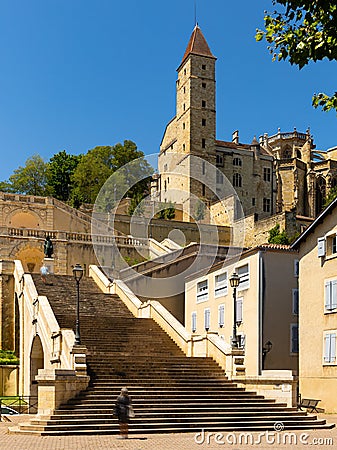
(197, 45)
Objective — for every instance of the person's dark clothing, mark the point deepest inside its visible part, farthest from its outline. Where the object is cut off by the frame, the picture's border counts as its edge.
(122, 408)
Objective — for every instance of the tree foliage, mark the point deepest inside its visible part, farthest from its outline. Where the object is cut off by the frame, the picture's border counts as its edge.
(59, 174)
(30, 179)
(278, 237)
(302, 31)
(166, 211)
(330, 197)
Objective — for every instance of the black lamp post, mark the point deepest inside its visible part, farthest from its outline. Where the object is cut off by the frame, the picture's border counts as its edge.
(234, 281)
(78, 274)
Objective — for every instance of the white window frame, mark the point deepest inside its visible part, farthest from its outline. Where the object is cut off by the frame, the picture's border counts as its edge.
(194, 321)
(246, 284)
(207, 318)
(330, 296)
(295, 302)
(221, 287)
(239, 309)
(294, 326)
(202, 294)
(221, 315)
(329, 244)
(329, 348)
(241, 340)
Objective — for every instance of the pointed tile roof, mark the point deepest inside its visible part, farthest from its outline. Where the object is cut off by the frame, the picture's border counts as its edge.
(197, 45)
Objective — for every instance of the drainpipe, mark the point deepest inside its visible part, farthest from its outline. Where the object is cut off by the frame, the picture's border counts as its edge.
(260, 275)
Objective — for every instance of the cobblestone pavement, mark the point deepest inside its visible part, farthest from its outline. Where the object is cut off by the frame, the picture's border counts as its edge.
(321, 439)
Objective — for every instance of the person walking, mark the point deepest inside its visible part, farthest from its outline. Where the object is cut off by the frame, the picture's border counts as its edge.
(123, 411)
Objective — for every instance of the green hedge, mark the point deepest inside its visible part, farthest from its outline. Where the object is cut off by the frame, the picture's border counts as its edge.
(7, 357)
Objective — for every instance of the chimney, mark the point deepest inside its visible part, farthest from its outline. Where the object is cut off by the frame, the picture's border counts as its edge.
(235, 137)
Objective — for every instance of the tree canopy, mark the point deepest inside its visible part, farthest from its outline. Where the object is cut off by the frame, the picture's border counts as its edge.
(59, 174)
(302, 31)
(30, 179)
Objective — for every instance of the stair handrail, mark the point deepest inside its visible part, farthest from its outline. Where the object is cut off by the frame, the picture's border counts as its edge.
(56, 342)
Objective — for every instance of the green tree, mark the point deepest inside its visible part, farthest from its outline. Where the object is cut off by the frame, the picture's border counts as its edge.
(30, 179)
(167, 211)
(200, 211)
(6, 186)
(330, 197)
(278, 237)
(59, 174)
(303, 31)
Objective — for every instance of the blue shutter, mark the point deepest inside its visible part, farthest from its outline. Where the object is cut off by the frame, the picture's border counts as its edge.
(327, 295)
(333, 347)
(333, 300)
(221, 315)
(327, 348)
(321, 247)
(295, 301)
(239, 313)
(194, 321)
(294, 338)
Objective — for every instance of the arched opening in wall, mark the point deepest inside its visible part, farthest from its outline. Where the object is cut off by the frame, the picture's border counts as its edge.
(320, 194)
(287, 153)
(24, 219)
(298, 154)
(31, 258)
(36, 363)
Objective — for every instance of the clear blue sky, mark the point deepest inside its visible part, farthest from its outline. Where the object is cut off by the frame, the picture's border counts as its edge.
(79, 73)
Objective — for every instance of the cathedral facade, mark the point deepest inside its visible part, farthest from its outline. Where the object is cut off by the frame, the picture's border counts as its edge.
(276, 173)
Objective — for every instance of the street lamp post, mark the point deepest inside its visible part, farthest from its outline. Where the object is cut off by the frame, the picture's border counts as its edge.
(78, 274)
(234, 281)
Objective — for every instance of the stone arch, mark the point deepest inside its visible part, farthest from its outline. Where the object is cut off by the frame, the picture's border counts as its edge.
(20, 218)
(287, 153)
(36, 362)
(30, 255)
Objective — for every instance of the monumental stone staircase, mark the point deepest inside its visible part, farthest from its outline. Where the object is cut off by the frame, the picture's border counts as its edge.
(170, 392)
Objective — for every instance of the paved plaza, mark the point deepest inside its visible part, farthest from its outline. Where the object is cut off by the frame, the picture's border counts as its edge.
(322, 439)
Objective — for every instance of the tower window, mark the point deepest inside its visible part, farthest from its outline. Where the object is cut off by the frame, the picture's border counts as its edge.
(203, 187)
(203, 168)
(184, 90)
(266, 173)
(203, 103)
(184, 126)
(184, 147)
(237, 162)
(184, 71)
(184, 106)
(203, 122)
(266, 205)
(203, 67)
(253, 201)
(203, 85)
(203, 143)
(219, 160)
(237, 180)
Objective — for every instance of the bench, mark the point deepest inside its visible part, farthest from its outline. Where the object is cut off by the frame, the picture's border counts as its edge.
(309, 403)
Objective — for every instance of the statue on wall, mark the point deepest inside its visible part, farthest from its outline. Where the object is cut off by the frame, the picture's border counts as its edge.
(48, 247)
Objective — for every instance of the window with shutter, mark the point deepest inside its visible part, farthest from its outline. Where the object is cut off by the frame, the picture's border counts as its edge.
(202, 291)
(239, 309)
(243, 273)
(330, 347)
(207, 316)
(295, 301)
(194, 321)
(221, 312)
(221, 285)
(294, 338)
(321, 247)
(296, 268)
(330, 295)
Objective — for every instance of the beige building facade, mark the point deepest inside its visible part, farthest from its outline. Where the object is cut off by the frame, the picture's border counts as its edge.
(318, 309)
(266, 307)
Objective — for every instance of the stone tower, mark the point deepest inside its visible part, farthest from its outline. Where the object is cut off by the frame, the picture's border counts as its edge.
(192, 131)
